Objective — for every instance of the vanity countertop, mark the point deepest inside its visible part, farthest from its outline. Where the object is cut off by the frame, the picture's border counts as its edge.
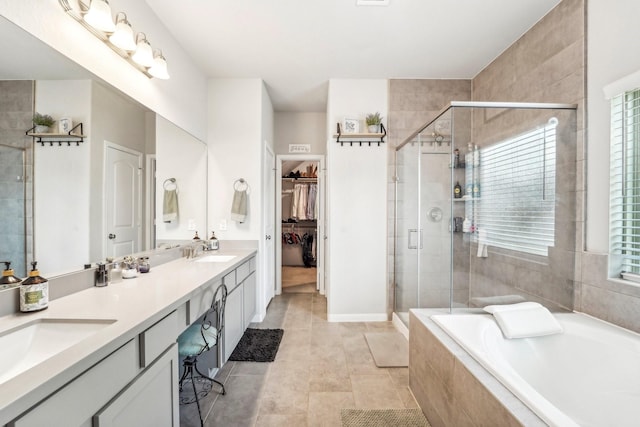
(134, 305)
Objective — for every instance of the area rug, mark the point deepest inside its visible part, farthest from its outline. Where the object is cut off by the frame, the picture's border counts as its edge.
(383, 418)
(389, 349)
(257, 345)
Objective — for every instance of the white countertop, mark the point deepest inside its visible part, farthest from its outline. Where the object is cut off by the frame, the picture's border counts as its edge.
(134, 304)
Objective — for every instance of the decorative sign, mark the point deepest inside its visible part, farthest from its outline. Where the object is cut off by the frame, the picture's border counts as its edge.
(299, 148)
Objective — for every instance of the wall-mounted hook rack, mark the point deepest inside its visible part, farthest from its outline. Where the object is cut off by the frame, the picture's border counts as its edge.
(58, 138)
(360, 138)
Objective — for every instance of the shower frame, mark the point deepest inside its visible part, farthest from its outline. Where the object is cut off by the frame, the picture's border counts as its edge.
(418, 136)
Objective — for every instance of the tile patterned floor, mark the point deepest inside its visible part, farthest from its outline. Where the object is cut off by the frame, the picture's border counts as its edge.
(321, 367)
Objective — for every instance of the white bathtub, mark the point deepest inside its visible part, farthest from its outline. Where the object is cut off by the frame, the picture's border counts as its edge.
(587, 376)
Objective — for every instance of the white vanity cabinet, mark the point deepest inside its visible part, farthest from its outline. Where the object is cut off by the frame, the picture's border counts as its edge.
(134, 385)
(241, 304)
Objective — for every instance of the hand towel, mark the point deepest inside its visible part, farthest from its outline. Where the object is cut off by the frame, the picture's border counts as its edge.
(239, 206)
(526, 321)
(170, 206)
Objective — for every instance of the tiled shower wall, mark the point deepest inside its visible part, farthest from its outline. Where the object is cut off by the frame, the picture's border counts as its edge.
(547, 64)
(412, 103)
(16, 173)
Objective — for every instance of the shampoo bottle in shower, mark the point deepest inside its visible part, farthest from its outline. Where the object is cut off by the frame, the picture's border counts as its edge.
(34, 291)
(457, 191)
(466, 225)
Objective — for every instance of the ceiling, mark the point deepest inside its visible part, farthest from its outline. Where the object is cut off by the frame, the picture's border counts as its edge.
(296, 46)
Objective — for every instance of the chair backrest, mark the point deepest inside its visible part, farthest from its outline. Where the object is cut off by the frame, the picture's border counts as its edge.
(214, 317)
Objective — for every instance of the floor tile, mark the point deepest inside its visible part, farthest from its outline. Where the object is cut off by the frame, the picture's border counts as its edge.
(321, 367)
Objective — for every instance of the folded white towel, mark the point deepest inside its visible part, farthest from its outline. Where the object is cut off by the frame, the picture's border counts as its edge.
(527, 322)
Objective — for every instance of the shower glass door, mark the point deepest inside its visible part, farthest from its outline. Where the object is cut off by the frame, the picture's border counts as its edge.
(408, 236)
(12, 205)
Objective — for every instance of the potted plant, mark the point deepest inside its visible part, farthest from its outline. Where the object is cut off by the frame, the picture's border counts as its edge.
(42, 122)
(373, 122)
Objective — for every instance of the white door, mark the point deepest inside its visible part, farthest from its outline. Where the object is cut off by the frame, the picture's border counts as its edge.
(122, 201)
(269, 272)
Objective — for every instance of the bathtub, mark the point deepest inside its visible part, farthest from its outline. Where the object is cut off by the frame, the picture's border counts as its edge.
(589, 375)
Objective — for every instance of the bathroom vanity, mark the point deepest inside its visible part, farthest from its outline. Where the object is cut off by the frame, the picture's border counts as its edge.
(108, 356)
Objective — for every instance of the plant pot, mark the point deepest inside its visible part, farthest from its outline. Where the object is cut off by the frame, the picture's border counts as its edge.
(41, 129)
(373, 128)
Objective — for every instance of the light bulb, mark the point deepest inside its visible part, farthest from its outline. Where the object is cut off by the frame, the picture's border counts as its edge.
(159, 67)
(122, 37)
(99, 16)
(143, 54)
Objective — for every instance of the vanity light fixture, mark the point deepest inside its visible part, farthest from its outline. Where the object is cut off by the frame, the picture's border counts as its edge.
(144, 53)
(99, 16)
(122, 37)
(97, 19)
(159, 67)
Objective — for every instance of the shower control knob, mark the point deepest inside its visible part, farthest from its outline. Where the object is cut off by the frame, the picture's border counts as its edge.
(111, 236)
(268, 236)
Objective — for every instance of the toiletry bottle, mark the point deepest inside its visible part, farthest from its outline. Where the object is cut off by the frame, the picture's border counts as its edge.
(143, 264)
(457, 191)
(102, 275)
(8, 277)
(466, 225)
(214, 243)
(476, 188)
(34, 291)
(456, 158)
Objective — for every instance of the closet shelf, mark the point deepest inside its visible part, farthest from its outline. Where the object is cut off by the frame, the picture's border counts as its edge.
(58, 138)
(360, 138)
(301, 179)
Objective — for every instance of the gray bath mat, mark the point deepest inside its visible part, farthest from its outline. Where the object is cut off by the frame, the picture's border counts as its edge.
(389, 349)
(257, 345)
(383, 418)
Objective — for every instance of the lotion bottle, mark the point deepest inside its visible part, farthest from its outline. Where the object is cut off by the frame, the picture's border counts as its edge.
(34, 291)
(214, 243)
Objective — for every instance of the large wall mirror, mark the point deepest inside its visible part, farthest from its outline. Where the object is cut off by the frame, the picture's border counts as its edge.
(66, 205)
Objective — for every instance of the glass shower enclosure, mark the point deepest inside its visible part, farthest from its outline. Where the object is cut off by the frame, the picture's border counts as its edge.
(485, 207)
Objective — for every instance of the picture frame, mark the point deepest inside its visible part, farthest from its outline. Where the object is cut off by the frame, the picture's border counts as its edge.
(350, 126)
(65, 124)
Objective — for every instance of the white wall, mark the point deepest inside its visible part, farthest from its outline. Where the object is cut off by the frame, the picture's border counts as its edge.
(357, 208)
(613, 42)
(181, 99)
(300, 128)
(235, 151)
(61, 182)
(183, 157)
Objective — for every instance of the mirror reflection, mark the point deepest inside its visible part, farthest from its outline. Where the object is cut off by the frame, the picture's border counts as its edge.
(66, 205)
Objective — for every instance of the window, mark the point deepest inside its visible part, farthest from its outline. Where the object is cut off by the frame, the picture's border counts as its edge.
(625, 180)
(516, 208)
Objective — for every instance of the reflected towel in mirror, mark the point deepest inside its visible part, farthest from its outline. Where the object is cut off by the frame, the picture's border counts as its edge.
(170, 206)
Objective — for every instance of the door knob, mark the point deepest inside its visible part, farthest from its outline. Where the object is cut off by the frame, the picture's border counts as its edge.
(268, 236)
(111, 236)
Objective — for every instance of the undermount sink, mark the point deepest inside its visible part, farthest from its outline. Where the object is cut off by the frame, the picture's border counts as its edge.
(216, 258)
(32, 343)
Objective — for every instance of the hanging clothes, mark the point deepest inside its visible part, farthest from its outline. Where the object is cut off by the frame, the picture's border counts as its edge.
(299, 202)
(307, 250)
(311, 201)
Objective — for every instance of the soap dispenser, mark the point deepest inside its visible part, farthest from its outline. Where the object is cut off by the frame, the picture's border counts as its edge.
(34, 291)
(214, 243)
(8, 277)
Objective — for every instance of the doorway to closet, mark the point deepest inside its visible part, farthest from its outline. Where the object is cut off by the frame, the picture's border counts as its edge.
(300, 217)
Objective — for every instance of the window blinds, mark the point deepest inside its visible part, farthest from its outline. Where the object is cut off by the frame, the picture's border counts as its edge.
(625, 180)
(516, 207)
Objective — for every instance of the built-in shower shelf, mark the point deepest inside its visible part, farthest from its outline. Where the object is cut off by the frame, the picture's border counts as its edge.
(58, 138)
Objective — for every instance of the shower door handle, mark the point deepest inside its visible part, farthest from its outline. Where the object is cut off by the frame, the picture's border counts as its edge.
(415, 238)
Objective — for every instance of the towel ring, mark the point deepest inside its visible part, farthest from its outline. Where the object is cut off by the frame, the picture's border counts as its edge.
(240, 185)
(170, 184)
